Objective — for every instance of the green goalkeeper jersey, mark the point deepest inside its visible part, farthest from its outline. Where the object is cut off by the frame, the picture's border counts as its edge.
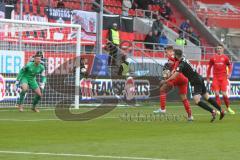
(30, 71)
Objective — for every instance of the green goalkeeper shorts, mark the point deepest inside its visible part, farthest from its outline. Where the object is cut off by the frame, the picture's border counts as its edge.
(32, 83)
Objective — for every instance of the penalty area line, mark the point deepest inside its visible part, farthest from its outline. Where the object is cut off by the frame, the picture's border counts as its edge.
(79, 155)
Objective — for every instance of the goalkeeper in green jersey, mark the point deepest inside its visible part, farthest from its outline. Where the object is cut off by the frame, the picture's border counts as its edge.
(27, 78)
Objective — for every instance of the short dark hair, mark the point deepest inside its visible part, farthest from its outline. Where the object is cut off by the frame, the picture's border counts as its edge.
(178, 52)
(169, 48)
(39, 54)
(220, 45)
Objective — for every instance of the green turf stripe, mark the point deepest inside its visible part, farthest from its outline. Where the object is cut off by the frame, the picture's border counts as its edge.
(79, 155)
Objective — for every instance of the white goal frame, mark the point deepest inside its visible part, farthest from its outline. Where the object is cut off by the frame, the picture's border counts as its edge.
(78, 47)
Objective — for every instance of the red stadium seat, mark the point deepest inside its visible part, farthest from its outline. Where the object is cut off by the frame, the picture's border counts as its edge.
(137, 54)
(34, 7)
(119, 11)
(131, 12)
(119, 4)
(108, 3)
(140, 37)
(26, 8)
(139, 45)
(42, 12)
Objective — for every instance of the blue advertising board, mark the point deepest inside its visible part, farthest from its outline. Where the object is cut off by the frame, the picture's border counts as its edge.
(233, 89)
(236, 70)
(11, 61)
(100, 65)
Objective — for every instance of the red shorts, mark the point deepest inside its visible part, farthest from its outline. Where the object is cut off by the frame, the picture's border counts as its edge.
(219, 84)
(181, 82)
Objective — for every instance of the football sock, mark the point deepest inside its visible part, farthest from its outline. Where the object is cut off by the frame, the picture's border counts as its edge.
(205, 106)
(36, 100)
(215, 104)
(83, 88)
(226, 101)
(88, 88)
(163, 98)
(187, 107)
(218, 100)
(22, 97)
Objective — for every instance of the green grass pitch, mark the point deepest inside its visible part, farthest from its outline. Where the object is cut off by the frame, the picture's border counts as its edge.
(41, 136)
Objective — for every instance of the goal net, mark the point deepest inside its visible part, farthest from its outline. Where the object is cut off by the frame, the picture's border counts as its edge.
(60, 43)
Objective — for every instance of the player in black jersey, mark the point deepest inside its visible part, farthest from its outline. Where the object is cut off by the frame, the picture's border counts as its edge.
(197, 85)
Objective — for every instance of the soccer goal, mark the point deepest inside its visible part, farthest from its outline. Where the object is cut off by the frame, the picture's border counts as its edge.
(60, 43)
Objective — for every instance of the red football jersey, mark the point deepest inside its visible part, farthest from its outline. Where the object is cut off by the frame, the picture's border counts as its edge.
(219, 62)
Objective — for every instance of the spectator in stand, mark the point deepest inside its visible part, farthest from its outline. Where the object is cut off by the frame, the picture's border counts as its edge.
(60, 4)
(181, 41)
(157, 2)
(124, 68)
(142, 4)
(150, 39)
(114, 42)
(9, 2)
(157, 25)
(134, 4)
(156, 36)
(112, 50)
(163, 40)
(193, 37)
(113, 35)
(126, 5)
(166, 11)
(184, 26)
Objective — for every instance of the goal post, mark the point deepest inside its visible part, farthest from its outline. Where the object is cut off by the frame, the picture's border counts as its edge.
(77, 72)
(20, 40)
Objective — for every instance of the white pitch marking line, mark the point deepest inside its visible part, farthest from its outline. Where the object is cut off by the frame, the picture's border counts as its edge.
(14, 109)
(79, 155)
(27, 120)
(52, 119)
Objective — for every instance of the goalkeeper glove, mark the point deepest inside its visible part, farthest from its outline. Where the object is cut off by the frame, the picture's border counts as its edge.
(42, 85)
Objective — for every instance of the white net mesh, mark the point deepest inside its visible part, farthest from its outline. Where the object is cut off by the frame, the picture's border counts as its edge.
(19, 41)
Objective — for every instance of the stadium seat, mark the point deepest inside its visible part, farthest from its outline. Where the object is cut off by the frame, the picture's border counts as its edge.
(137, 53)
(131, 12)
(42, 11)
(139, 45)
(26, 8)
(35, 11)
(106, 2)
(139, 37)
(233, 2)
(119, 11)
(118, 4)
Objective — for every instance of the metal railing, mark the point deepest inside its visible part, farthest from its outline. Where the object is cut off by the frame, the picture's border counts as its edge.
(151, 14)
(206, 52)
(218, 13)
(142, 66)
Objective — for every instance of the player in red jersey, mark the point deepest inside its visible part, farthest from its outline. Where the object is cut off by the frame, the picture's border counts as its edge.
(181, 82)
(221, 73)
